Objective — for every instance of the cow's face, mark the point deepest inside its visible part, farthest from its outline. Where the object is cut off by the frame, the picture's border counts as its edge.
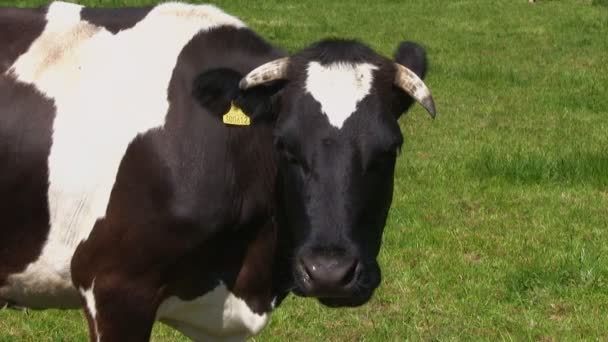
(336, 165)
(337, 139)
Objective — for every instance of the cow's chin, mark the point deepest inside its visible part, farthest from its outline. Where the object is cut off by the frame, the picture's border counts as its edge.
(340, 302)
(359, 299)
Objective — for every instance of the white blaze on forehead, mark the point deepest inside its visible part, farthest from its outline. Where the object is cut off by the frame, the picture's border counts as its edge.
(339, 87)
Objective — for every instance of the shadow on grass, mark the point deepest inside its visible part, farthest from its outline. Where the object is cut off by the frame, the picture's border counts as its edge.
(600, 3)
(574, 273)
(524, 167)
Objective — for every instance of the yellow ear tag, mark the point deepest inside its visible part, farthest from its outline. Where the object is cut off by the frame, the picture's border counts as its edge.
(235, 116)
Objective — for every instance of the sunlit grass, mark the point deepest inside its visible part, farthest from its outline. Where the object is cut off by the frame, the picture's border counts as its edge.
(539, 167)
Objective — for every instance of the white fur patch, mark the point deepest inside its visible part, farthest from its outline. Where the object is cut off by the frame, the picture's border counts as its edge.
(216, 316)
(89, 298)
(339, 87)
(107, 90)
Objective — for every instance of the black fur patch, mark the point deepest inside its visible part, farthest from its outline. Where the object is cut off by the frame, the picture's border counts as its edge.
(19, 28)
(114, 20)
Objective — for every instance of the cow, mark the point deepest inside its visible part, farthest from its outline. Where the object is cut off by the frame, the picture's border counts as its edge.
(124, 190)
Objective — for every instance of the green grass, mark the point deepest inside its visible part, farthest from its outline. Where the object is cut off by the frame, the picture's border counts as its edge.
(499, 226)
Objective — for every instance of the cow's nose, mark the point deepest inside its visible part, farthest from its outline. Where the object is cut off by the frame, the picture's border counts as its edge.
(330, 275)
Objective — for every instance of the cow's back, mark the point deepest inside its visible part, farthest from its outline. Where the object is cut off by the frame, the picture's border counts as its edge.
(77, 88)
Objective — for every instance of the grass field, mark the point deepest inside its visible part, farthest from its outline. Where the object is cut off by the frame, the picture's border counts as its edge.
(499, 225)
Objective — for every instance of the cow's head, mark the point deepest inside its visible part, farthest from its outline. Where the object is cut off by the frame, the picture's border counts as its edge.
(336, 108)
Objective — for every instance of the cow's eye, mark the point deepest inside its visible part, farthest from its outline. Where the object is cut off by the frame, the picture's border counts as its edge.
(291, 158)
(382, 159)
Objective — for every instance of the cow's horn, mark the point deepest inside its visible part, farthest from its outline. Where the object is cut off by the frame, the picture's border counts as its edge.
(415, 87)
(273, 70)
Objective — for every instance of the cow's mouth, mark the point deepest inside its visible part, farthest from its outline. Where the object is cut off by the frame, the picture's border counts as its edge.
(352, 294)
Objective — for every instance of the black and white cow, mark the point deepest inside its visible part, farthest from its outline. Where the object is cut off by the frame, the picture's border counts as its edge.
(123, 192)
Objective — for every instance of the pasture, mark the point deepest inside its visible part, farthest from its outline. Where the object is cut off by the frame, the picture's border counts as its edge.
(499, 224)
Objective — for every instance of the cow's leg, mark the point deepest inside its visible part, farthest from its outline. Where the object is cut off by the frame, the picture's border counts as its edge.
(120, 311)
(119, 295)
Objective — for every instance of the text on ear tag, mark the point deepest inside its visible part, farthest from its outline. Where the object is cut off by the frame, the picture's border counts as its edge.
(236, 116)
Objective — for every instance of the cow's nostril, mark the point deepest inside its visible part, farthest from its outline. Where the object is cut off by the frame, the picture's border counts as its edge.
(350, 274)
(329, 274)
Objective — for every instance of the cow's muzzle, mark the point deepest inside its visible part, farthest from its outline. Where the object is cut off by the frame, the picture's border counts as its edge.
(336, 280)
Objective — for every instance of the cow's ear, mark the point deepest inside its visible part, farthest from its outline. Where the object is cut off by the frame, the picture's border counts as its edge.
(413, 57)
(217, 89)
(262, 102)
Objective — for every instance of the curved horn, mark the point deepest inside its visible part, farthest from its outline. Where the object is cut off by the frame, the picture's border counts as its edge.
(273, 70)
(415, 87)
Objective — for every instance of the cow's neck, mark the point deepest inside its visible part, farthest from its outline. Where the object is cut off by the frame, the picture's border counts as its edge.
(238, 250)
(257, 228)
(264, 277)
